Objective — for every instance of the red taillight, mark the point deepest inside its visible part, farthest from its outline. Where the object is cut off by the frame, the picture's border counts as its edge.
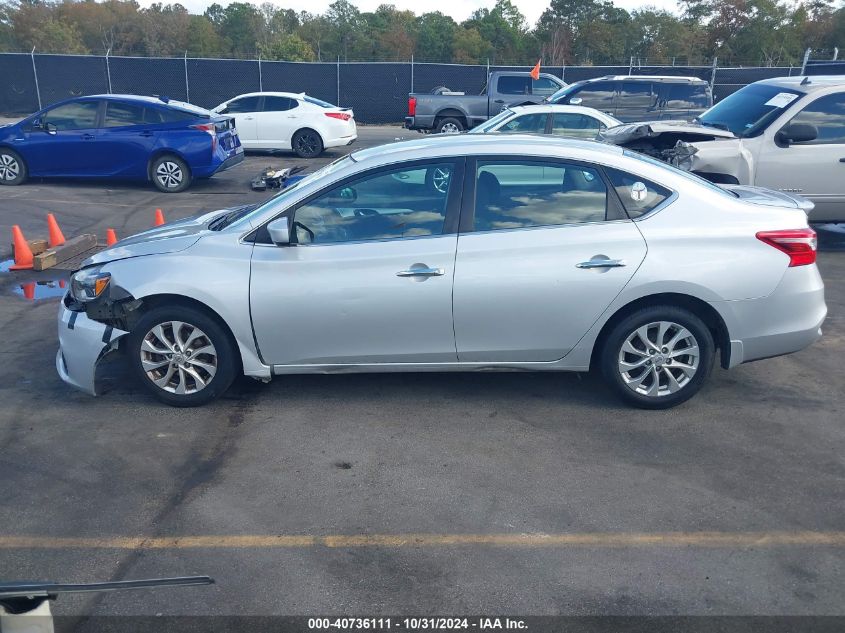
(412, 106)
(209, 129)
(799, 244)
(343, 116)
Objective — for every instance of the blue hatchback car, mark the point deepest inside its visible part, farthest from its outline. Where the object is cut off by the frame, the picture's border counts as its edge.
(120, 136)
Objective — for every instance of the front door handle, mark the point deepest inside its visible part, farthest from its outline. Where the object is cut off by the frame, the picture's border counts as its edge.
(842, 160)
(87, 137)
(421, 272)
(146, 134)
(602, 263)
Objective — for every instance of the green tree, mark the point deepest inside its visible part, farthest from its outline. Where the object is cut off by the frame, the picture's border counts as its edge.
(468, 47)
(503, 27)
(435, 33)
(288, 47)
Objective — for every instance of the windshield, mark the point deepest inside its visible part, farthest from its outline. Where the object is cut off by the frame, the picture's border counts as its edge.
(679, 172)
(561, 94)
(504, 115)
(750, 110)
(277, 199)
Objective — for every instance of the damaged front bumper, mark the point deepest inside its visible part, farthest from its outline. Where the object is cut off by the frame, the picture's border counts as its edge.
(83, 342)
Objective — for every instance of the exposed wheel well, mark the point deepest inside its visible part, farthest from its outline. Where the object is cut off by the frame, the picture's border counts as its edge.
(451, 113)
(700, 308)
(165, 152)
(168, 300)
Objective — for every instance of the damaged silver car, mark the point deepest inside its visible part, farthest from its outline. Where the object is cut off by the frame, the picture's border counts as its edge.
(786, 134)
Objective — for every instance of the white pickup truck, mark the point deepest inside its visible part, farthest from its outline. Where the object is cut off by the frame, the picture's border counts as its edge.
(786, 134)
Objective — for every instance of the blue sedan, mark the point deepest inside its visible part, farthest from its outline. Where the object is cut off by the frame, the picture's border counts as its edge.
(120, 136)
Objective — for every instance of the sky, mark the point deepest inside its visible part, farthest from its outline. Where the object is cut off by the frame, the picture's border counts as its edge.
(459, 9)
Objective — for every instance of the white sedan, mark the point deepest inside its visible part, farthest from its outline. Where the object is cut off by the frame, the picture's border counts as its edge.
(284, 120)
(557, 120)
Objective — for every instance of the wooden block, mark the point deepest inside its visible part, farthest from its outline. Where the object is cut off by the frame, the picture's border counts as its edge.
(36, 246)
(69, 249)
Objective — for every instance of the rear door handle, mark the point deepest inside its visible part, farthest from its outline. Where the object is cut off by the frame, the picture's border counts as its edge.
(146, 133)
(87, 137)
(421, 272)
(602, 263)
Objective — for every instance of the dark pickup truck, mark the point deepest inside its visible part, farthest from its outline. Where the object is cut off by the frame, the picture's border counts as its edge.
(453, 112)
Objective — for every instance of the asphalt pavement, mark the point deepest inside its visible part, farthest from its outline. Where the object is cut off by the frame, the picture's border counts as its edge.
(414, 493)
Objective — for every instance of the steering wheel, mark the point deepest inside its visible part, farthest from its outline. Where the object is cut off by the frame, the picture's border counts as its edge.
(366, 212)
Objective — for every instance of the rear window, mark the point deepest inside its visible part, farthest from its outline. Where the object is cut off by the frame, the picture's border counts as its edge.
(167, 115)
(514, 85)
(638, 195)
(318, 102)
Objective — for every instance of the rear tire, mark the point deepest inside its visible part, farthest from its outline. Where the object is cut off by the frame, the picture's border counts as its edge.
(12, 168)
(170, 174)
(449, 125)
(307, 143)
(183, 356)
(657, 357)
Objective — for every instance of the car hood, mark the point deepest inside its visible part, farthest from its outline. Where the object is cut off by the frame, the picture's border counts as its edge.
(167, 238)
(627, 132)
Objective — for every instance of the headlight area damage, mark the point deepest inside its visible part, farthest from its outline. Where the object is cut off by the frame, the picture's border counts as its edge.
(710, 152)
(94, 315)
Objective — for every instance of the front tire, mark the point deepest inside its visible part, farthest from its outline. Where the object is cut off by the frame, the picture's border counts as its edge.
(170, 174)
(12, 168)
(307, 144)
(657, 357)
(183, 356)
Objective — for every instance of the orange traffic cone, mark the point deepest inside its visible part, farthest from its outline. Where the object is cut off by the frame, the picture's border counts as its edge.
(23, 254)
(28, 290)
(111, 237)
(62, 283)
(56, 237)
(159, 218)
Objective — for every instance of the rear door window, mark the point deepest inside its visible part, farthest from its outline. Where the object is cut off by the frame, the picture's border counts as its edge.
(278, 104)
(120, 114)
(522, 193)
(638, 195)
(514, 85)
(571, 124)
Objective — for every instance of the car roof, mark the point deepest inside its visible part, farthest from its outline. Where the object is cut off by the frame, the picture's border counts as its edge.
(266, 93)
(448, 145)
(807, 83)
(162, 101)
(662, 78)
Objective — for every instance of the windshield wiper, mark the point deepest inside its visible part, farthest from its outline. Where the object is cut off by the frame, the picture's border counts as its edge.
(713, 124)
(223, 221)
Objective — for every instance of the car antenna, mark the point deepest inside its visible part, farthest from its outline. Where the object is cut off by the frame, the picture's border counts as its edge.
(805, 81)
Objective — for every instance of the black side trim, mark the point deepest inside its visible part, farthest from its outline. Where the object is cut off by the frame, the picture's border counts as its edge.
(107, 334)
(72, 321)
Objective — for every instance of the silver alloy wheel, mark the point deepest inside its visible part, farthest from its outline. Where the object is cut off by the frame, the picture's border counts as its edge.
(659, 359)
(440, 179)
(169, 174)
(450, 128)
(178, 357)
(9, 167)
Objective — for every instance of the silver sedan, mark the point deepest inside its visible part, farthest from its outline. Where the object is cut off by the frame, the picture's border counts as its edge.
(460, 253)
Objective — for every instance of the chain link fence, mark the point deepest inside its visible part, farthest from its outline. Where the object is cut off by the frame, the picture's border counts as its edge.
(377, 91)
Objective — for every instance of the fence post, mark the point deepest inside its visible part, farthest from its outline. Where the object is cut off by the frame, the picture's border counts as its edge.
(412, 72)
(108, 69)
(35, 75)
(338, 80)
(806, 59)
(260, 78)
(835, 53)
(563, 73)
(713, 74)
(187, 87)
(630, 64)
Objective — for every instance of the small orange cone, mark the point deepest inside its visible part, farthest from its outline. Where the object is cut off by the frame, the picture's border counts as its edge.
(56, 237)
(159, 218)
(111, 237)
(23, 254)
(28, 290)
(62, 283)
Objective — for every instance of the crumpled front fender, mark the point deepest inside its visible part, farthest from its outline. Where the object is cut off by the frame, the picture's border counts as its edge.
(728, 157)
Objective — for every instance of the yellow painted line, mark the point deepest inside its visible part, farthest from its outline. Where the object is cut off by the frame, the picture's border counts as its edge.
(595, 540)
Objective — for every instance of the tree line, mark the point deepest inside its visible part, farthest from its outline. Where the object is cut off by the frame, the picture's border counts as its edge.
(758, 32)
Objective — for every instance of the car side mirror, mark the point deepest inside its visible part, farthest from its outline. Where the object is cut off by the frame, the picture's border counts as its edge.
(575, 101)
(797, 133)
(279, 231)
